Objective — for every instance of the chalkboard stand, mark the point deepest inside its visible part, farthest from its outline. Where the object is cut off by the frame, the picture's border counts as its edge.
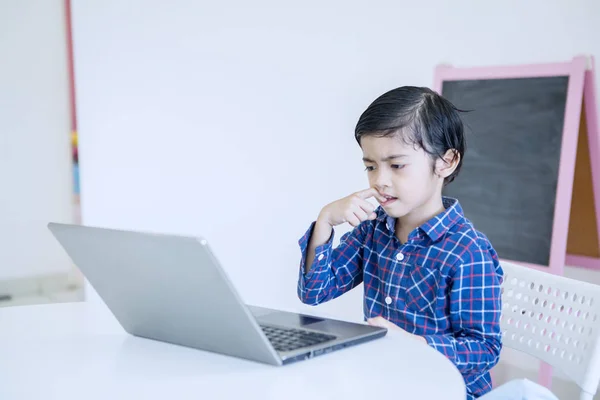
(583, 249)
(575, 236)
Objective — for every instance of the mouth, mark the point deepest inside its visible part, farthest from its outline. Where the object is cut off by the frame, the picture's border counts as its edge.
(388, 200)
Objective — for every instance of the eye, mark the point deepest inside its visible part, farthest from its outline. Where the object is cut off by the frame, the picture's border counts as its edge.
(369, 168)
(397, 166)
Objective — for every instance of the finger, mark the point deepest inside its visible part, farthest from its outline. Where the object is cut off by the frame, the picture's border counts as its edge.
(367, 193)
(377, 321)
(353, 220)
(384, 323)
(370, 192)
(360, 213)
(366, 206)
(368, 209)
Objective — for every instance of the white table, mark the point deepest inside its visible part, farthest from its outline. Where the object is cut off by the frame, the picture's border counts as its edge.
(79, 351)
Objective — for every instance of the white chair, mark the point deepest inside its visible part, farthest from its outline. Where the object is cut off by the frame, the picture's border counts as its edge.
(554, 319)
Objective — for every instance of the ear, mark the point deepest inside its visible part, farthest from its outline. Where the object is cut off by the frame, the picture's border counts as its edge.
(445, 167)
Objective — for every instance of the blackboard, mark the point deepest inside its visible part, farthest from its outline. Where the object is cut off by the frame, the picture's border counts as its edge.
(508, 182)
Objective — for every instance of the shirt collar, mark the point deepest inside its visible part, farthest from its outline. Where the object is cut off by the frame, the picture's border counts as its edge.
(437, 226)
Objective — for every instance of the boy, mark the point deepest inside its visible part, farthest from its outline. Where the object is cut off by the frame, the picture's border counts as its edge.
(426, 270)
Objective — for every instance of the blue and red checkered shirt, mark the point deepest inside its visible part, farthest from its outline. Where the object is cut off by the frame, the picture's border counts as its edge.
(442, 284)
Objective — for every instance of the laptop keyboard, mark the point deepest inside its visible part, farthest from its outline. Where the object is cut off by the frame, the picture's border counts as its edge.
(288, 339)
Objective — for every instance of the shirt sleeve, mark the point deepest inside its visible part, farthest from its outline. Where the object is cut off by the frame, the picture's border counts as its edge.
(475, 309)
(333, 271)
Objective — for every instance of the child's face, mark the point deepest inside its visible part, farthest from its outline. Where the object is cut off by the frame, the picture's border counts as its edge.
(405, 173)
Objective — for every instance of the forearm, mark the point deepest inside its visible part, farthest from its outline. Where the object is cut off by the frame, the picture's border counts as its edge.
(469, 354)
(326, 273)
(322, 231)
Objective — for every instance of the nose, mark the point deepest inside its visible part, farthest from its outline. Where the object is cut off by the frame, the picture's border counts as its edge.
(381, 179)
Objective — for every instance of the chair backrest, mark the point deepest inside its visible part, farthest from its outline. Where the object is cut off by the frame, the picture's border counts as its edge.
(554, 319)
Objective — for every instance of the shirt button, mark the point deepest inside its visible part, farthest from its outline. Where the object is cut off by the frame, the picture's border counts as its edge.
(388, 300)
(399, 256)
(321, 257)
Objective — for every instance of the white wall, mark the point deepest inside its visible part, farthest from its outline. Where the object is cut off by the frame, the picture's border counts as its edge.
(234, 120)
(35, 166)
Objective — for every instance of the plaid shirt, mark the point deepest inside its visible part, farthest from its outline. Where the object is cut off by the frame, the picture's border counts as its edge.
(442, 284)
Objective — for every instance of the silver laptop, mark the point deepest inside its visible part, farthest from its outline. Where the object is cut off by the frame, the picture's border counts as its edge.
(173, 289)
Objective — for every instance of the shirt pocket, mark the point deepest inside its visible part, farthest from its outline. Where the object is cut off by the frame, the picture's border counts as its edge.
(422, 287)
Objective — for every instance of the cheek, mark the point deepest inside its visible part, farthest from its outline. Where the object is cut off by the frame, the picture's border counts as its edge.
(411, 185)
(371, 180)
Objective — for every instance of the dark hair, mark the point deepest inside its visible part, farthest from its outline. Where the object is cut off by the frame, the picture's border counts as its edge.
(419, 116)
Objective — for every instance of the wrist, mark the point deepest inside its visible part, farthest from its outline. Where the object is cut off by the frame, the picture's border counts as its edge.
(323, 220)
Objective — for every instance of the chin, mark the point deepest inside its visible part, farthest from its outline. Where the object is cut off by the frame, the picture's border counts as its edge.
(396, 212)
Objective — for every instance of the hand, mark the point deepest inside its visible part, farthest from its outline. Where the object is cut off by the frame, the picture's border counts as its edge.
(384, 323)
(353, 209)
